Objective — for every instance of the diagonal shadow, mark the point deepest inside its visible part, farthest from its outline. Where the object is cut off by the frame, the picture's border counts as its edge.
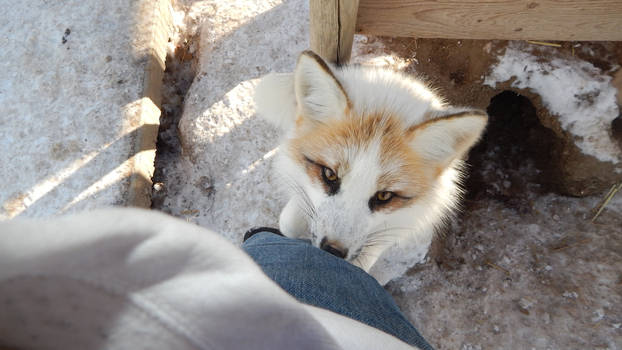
(90, 173)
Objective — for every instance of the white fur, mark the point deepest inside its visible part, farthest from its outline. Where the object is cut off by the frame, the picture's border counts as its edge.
(275, 99)
(345, 217)
(318, 95)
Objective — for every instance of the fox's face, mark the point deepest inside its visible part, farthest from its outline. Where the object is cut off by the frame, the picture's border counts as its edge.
(360, 172)
(368, 158)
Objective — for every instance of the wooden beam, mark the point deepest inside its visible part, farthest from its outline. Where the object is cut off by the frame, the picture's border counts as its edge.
(332, 24)
(565, 20)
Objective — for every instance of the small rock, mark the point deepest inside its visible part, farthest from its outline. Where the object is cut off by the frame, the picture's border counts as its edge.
(66, 35)
(570, 295)
(525, 303)
(158, 186)
(533, 228)
(599, 315)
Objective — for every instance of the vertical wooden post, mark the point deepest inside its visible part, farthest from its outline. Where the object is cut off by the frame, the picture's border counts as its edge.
(332, 24)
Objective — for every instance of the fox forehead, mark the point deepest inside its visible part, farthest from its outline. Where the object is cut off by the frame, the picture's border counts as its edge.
(379, 143)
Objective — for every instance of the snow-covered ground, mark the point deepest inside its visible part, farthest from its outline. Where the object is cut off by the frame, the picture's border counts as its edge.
(543, 279)
(74, 114)
(536, 275)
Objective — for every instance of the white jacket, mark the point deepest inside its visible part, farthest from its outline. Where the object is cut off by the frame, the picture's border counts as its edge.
(137, 279)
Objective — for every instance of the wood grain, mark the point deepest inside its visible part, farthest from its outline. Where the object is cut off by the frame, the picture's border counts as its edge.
(348, 10)
(565, 20)
(332, 25)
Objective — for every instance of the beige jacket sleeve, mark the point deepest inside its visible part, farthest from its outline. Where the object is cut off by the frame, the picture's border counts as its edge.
(136, 279)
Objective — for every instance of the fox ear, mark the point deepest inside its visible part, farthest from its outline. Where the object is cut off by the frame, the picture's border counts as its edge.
(449, 137)
(318, 92)
(275, 99)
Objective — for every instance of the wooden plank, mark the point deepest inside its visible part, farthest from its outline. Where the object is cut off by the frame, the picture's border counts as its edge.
(566, 20)
(332, 25)
(324, 28)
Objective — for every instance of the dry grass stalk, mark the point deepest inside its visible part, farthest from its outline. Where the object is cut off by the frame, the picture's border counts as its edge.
(189, 212)
(543, 43)
(612, 192)
(566, 246)
(493, 265)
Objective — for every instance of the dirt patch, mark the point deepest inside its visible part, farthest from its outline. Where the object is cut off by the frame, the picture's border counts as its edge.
(181, 68)
(455, 67)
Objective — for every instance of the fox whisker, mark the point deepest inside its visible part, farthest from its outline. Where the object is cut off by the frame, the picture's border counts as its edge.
(303, 201)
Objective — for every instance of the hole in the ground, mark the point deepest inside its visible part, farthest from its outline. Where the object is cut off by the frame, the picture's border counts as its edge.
(180, 71)
(511, 165)
(512, 161)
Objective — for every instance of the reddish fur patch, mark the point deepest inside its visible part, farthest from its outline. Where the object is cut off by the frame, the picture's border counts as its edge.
(327, 143)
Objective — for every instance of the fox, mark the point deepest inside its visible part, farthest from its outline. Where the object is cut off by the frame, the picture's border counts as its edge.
(371, 159)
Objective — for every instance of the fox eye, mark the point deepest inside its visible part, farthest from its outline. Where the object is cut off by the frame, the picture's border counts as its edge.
(331, 180)
(379, 199)
(328, 175)
(384, 196)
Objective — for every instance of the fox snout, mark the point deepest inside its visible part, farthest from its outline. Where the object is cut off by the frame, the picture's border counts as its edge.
(340, 227)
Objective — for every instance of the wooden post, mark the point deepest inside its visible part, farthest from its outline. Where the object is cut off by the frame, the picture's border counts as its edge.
(332, 24)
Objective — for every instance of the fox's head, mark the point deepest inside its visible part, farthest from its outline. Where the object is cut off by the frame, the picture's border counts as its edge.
(371, 156)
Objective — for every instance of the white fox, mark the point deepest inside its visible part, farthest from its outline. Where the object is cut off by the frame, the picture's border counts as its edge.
(371, 158)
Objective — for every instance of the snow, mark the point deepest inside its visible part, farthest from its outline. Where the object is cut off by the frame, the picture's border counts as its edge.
(575, 90)
(71, 102)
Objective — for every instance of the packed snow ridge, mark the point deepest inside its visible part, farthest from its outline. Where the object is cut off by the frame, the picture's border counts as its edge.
(579, 93)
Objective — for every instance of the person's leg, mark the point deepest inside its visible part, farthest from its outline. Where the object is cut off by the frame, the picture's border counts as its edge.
(318, 278)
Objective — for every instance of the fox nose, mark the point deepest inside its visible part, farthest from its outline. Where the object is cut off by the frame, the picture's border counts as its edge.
(333, 248)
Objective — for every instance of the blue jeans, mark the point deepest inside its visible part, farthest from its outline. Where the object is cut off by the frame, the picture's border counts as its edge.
(318, 278)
